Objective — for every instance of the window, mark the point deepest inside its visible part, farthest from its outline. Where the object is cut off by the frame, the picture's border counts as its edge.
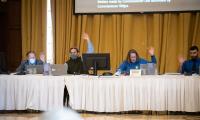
(49, 39)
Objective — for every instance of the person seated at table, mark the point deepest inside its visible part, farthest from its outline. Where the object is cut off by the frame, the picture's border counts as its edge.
(31, 60)
(133, 61)
(192, 65)
(75, 63)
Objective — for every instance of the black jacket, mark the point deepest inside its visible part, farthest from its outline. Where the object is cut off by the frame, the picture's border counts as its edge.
(76, 66)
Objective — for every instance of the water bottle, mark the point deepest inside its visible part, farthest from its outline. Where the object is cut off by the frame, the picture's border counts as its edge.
(46, 69)
(143, 68)
(118, 73)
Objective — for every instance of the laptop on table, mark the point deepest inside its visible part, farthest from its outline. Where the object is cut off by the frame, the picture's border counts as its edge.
(35, 69)
(59, 69)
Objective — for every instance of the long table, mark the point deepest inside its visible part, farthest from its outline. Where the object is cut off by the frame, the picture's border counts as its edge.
(124, 93)
(101, 94)
(35, 92)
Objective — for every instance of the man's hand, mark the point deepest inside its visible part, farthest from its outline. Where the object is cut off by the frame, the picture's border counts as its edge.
(181, 60)
(151, 51)
(85, 36)
(42, 57)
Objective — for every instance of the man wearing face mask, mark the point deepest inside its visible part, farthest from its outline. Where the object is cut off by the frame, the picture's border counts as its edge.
(192, 65)
(133, 61)
(31, 60)
(75, 63)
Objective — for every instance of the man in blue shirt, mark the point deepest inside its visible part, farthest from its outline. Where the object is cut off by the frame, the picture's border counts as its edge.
(192, 65)
(133, 61)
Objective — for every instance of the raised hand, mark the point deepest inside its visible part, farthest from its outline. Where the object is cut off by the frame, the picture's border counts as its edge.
(151, 51)
(85, 36)
(181, 60)
(42, 57)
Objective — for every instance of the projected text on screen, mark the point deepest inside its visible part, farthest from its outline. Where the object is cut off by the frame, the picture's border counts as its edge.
(123, 6)
(123, 3)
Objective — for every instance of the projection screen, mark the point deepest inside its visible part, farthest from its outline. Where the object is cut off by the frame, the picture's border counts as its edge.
(131, 6)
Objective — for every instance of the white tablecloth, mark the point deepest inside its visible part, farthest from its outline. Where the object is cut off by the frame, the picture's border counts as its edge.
(115, 94)
(35, 92)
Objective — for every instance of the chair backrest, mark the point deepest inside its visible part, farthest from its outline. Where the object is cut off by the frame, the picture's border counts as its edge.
(2, 62)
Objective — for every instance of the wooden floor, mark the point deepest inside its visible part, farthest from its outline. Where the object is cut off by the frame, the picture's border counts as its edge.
(36, 116)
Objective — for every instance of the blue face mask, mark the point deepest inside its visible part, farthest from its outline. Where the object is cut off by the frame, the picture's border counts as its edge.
(32, 61)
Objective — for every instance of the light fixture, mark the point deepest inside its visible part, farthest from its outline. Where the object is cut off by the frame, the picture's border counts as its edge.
(3, 1)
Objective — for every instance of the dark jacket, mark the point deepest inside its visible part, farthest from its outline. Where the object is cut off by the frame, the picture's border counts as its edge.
(25, 63)
(187, 66)
(76, 66)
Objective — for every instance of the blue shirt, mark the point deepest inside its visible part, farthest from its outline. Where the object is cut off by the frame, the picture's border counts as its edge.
(126, 66)
(90, 47)
(187, 66)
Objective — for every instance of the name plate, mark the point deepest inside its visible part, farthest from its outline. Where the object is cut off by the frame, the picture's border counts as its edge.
(135, 72)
